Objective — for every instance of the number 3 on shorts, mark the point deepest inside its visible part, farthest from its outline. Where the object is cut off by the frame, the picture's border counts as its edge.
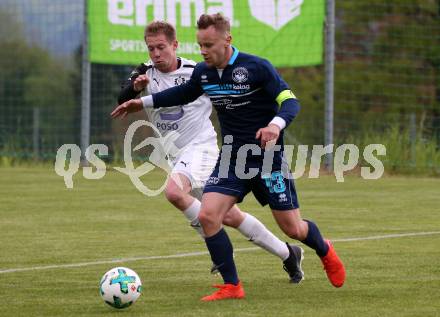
(275, 182)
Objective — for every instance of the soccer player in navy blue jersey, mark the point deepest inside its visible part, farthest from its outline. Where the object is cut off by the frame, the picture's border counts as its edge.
(254, 105)
(195, 151)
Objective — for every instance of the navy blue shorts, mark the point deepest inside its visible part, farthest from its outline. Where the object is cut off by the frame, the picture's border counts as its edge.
(273, 189)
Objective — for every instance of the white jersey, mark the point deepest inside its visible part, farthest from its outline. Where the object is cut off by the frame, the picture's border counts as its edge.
(190, 123)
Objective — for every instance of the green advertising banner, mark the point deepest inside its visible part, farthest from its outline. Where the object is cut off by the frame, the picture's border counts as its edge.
(286, 32)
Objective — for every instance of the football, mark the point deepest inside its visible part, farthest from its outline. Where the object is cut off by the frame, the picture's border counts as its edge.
(120, 287)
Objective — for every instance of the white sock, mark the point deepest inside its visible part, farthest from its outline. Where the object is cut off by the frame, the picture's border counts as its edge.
(256, 232)
(192, 214)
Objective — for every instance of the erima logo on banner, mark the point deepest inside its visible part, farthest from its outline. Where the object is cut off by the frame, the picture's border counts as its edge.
(275, 13)
(135, 12)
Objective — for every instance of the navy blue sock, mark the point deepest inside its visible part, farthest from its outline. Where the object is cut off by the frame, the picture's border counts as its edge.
(314, 240)
(221, 251)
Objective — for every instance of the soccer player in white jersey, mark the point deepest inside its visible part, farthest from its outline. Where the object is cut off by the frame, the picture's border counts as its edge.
(196, 141)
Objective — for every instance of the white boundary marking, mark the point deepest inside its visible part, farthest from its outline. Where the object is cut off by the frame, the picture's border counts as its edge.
(190, 254)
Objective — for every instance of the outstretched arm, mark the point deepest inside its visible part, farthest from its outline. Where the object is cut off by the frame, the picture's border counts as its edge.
(174, 96)
(133, 105)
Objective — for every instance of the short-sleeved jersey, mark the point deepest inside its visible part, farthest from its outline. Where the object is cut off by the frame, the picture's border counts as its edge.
(244, 95)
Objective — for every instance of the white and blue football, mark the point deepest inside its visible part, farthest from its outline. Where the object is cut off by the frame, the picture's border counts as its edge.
(120, 287)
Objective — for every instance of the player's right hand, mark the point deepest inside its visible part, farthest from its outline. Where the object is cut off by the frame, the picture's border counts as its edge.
(140, 82)
(133, 105)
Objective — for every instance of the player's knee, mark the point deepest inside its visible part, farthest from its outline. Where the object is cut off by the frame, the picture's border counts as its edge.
(206, 218)
(173, 195)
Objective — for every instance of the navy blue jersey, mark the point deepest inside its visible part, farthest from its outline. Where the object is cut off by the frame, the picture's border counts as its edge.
(246, 96)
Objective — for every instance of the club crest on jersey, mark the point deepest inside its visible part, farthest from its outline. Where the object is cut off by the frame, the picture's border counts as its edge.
(240, 75)
(179, 81)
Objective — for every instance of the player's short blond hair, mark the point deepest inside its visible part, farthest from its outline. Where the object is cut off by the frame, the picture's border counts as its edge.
(218, 21)
(160, 27)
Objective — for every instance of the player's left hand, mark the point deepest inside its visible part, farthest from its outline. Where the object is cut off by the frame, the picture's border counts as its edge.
(140, 83)
(133, 105)
(268, 136)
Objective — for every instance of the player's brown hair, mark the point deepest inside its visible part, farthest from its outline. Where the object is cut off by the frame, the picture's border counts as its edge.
(218, 21)
(160, 27)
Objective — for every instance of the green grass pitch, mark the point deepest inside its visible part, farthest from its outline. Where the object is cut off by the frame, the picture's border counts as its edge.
(44, 224)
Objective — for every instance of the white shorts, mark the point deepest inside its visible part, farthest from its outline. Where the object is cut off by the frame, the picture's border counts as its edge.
(196, 162)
